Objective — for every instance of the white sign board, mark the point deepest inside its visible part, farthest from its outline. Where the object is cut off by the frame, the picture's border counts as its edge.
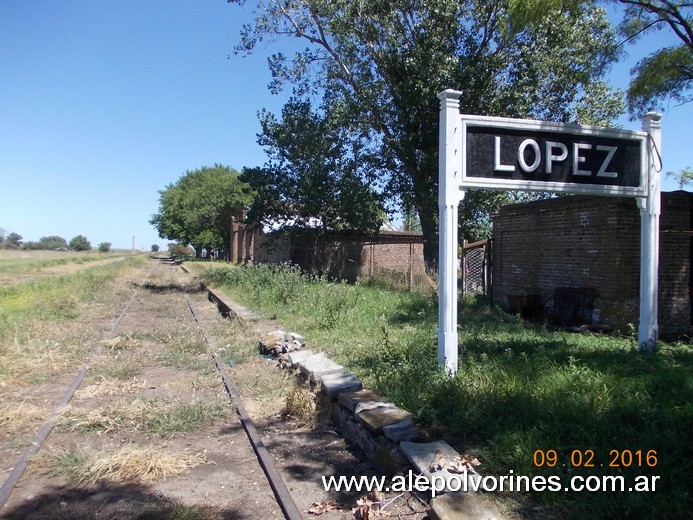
(517, 154)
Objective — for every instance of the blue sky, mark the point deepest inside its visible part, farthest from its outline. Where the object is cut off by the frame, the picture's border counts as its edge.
(102, 104)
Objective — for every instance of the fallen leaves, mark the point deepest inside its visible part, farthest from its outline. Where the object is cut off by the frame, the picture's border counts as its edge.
(319, 508)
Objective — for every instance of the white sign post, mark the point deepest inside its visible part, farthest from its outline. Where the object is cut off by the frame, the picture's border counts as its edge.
(650, 209)
(449, 197)
(518, 154)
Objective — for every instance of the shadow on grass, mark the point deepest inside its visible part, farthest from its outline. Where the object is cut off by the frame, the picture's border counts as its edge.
(127, 502)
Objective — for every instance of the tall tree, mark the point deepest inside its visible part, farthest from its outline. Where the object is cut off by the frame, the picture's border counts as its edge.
(384, 61)
(666, 73)
(198, 207)
(314, 174)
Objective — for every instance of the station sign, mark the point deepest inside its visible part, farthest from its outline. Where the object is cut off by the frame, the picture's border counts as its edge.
(530, 155)
(519, 154)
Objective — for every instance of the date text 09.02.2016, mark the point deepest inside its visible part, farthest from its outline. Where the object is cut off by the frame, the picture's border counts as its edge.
(589, 459)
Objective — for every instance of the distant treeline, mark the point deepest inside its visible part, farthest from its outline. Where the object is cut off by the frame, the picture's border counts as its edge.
(51, 243)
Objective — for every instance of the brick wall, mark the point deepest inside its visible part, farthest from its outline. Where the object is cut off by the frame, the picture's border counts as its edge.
(395, 257)
(593, 243)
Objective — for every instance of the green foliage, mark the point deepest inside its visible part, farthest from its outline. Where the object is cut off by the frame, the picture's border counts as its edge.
(667, 73)
(80, 243)
(49, 243)
(14, 240)
(197, 209)
(155, 248)
(180, 250)
(314, 172)
(104, 247)
(380, 65)
(520, 387)
(684, 177)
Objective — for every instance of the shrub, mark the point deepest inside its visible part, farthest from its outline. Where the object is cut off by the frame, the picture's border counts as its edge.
(155, 248)
(104, 247)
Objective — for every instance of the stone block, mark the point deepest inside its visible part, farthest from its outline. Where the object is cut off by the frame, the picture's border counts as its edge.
(293, 336)
(401, 431)
(463, 506)
(426, 454)
(271, 341)
(383, 452)
(376, 419)
(296, 357)
(351, 400)
(318, 365)
(446, 481)
(372, 405)
(334, 384)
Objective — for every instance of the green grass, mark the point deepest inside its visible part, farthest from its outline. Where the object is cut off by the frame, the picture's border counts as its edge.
(56, 297)
(520, 387)
(41, 331)
(21, 262)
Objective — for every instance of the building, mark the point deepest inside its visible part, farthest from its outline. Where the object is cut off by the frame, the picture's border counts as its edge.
(577, 260)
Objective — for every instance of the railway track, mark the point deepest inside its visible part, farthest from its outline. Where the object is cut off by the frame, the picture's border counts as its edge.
(137, 317)
(159, 386)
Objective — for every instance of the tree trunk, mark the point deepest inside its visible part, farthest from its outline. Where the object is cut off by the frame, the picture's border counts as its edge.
(429, 228)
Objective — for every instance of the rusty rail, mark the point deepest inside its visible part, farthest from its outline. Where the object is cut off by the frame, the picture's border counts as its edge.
(281, 492)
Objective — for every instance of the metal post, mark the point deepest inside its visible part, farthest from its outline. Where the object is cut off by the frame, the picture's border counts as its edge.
(650, 209)
(449, 196)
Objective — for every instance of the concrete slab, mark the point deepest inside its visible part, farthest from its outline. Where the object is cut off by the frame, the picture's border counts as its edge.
(377, 418)
(334, 384)
(318, 365)
(351, 400)
(424, 455)
(401, 431)
(297, 356)
(446, 481)
(463, 506)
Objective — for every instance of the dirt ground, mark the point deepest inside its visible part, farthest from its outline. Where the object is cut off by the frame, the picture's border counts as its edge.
(153, 393)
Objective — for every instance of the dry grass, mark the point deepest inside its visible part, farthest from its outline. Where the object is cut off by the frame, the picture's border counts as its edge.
(41, 349)
(110, 386)
(299, 404)
(154, 415)
(129, 464)
(143, 465)
(16, 418)
(261, 386)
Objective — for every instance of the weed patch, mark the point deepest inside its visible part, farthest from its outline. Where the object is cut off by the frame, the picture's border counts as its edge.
(131, 464)
(156, 415)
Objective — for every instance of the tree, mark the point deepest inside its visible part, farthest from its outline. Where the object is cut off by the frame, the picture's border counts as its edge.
(312, 176)
(80, 243)
(155, 248)
(104, 247)
(51, 242)
(197, 209)
(383, 63)
(14, 239)
(683, 177)
(666, 73)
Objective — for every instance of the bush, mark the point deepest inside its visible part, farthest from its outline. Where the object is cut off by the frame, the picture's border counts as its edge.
(80, 243)
(104, 247)
(155, 248)
(180, 250)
